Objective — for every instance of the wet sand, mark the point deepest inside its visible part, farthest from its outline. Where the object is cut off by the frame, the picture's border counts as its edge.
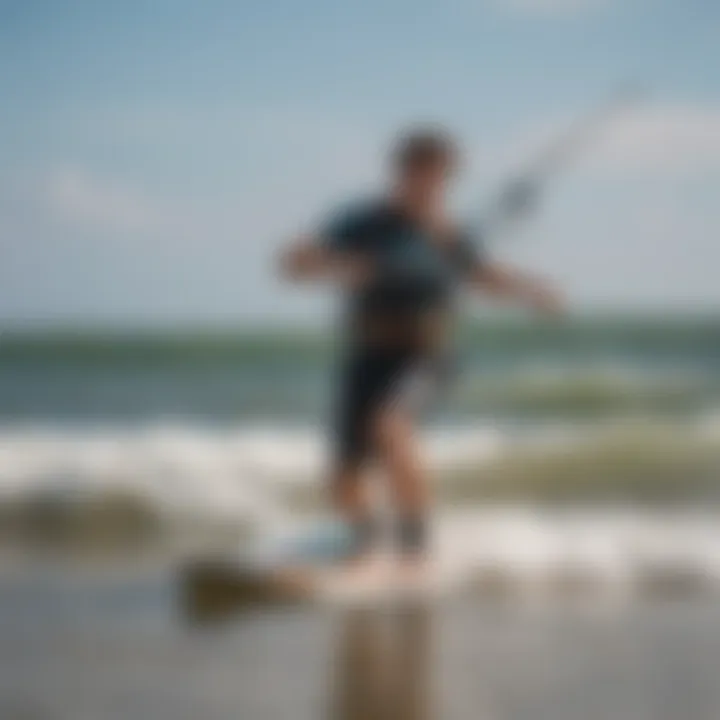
(117, 647)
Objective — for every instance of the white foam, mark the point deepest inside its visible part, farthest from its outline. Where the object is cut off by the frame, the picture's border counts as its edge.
(536, 552)
(222, 470)
(242, 473)
(528, 554)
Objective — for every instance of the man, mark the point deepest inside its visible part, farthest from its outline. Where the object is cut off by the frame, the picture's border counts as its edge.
(401, 261)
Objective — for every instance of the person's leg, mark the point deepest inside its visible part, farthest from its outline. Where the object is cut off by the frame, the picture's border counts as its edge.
(351, 503)
(349, 490)
(383, 391)
(400, 453)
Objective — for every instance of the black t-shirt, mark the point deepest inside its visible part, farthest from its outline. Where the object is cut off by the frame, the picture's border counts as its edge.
(413, 274)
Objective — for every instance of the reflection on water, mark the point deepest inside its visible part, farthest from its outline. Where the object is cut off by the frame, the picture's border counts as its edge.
(113, 646)
(382, 667)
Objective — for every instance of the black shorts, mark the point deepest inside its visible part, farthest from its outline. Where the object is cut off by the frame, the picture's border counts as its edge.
(372, 379)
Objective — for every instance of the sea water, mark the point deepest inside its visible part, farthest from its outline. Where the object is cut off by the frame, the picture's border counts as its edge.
(576, 469)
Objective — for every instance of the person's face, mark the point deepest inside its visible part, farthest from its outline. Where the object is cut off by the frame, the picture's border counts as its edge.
(428, 180)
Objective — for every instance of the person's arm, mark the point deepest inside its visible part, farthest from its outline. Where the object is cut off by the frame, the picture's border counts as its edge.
(492, 278)
(512, 285)
(334, 253)
(313, 259)
(304, 259)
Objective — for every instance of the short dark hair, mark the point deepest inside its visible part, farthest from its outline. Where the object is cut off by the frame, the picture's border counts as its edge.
(421, 146)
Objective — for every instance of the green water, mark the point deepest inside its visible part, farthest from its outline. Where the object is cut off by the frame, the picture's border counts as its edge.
(581, 366)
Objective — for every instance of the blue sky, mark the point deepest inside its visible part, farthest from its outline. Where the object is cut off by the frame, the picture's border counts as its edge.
(155, 154)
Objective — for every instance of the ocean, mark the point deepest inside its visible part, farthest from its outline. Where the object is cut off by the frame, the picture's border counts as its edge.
(575, 454)
(583, 409)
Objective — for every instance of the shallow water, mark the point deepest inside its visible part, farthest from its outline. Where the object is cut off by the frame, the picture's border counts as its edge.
(116, 645)
(117, 444)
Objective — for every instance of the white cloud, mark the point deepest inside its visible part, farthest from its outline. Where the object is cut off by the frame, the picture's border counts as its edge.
(80, 198)
(677, 140)
(669, 139)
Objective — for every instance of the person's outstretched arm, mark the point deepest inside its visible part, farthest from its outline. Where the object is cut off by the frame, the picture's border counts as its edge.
(515, 286)
(311, 259)
(489, 277)
(337, 252)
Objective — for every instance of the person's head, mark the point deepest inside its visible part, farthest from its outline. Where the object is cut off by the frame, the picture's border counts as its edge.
(423, 160)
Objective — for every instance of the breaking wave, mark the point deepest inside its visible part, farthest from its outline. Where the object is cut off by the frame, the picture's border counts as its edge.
(264, 471)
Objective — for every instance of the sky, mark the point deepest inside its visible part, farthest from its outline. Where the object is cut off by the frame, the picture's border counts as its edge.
(156, 154)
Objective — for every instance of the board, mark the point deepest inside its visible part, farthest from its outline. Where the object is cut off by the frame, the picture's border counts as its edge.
(304, 567)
